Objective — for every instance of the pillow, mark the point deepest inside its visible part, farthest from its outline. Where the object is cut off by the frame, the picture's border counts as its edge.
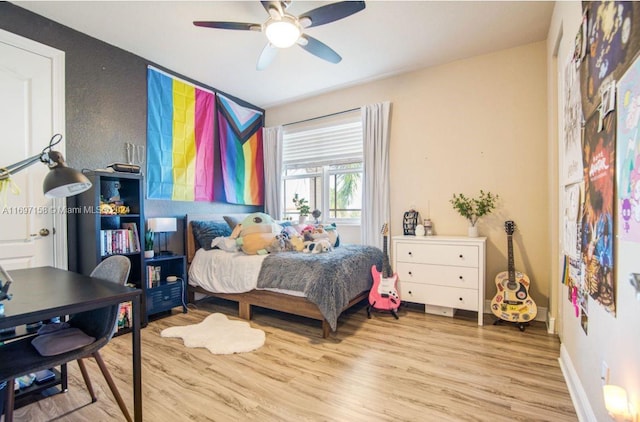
(205, 231)
(61, 341)
(231, 221)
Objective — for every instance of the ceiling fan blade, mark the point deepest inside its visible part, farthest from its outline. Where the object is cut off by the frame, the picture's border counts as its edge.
(241, 26)
(266, 57)
(331, 12)
(318, 48)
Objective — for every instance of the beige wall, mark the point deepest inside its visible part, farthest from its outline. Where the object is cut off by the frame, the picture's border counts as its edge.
(473, 124)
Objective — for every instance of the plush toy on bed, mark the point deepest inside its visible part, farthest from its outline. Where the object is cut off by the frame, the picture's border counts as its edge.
(332, 233)
(277, 244)
(294, 243)
(319, 246)
(257, 232)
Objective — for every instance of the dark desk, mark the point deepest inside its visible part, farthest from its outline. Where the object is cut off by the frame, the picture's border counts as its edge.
(47, 292)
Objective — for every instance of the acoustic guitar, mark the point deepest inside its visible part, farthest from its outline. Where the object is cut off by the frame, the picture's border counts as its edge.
(512, 301)
(384, 293)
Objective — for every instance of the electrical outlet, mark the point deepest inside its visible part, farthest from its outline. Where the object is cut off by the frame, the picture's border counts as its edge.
(604, 373)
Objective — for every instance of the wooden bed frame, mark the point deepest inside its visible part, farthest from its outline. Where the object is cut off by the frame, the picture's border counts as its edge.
(295, 305)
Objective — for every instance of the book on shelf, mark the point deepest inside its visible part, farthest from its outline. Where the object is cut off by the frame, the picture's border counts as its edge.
(153, 276)
(134, 235)
(120, 241)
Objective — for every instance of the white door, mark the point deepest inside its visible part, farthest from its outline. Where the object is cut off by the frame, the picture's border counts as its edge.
(32, 227)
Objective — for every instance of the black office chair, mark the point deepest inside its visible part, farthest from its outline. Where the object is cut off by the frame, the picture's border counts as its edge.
(97, 323)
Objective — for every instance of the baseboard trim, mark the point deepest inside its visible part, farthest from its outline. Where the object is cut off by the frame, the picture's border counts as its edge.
(551, 324)
(542, 313)
(576, 391)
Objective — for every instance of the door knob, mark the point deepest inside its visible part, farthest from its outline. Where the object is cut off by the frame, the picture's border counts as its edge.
(43, 232)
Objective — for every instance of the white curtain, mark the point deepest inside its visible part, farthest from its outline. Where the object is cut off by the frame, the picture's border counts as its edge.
(375, 201)
(272, 149)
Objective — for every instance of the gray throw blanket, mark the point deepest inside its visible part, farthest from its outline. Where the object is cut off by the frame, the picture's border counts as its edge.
(330, 280)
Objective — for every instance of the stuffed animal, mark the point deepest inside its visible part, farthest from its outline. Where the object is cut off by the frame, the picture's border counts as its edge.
(277, 244)
(318, 247)
(296, 243)
(307, 233)
(332, 234)
(256, 234)
(318, 233)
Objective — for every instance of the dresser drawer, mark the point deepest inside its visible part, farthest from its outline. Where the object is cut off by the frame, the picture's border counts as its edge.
(457, 255)
(412, 292)
(442, 275)
(439, 295)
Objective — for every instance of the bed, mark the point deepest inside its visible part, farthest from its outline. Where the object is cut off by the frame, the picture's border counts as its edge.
(316, 286)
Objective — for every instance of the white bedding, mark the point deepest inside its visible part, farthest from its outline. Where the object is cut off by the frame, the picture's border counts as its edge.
(219, 271)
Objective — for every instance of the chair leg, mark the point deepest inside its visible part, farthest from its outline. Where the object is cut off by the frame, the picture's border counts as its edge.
(87, 380)
(112, 385)
(9, 402)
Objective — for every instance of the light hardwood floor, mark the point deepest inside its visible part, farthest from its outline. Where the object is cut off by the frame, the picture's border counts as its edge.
(418, 368)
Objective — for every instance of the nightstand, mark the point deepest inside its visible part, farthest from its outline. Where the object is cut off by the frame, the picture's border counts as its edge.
(165, 283)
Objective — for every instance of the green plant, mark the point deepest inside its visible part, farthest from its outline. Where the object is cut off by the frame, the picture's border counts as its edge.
(148, 240)
(302, 205)
(474, 208)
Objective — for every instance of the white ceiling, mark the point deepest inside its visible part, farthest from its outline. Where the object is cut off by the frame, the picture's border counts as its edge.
(386, 38)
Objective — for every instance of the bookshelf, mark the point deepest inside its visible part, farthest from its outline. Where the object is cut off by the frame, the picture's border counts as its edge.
(110, 220)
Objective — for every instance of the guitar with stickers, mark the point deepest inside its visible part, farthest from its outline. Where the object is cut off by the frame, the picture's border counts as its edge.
(512, 302)
(384, 293)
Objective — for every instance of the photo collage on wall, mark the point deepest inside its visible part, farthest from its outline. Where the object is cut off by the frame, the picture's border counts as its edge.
(601, 113)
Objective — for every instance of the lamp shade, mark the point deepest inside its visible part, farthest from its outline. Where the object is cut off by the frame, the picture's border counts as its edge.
(63, 181)
(162, 225)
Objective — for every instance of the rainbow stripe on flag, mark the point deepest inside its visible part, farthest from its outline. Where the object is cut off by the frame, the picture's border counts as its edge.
(240, 135)
(179, 139)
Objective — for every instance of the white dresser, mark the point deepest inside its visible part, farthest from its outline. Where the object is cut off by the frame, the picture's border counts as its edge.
(442, 272)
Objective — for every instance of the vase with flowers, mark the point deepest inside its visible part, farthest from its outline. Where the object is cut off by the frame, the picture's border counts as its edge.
(474, 208)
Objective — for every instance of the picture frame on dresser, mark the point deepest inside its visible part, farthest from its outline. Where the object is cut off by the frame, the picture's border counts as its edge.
(444, 273)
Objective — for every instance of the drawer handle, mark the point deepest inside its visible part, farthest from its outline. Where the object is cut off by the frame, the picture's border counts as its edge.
(410, 292)
(460, 299)
(460, 277)
(461, 256)
(410, 273)
(410, 253)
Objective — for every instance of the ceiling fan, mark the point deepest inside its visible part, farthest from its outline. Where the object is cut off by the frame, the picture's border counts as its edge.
(284, 30)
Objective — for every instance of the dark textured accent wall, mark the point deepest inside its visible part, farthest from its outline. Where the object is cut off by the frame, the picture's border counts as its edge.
(106, 106)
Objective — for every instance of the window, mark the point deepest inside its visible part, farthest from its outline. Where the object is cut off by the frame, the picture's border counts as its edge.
(322, 161)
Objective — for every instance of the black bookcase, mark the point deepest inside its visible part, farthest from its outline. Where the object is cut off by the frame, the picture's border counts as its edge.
(101, 232)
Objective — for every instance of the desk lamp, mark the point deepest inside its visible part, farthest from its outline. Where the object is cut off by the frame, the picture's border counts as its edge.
(163, 225)
(60, 182)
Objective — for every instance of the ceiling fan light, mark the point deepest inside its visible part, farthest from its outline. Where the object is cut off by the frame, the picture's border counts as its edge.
(283, 33)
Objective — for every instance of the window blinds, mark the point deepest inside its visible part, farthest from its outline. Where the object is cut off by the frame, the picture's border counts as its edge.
(334, 139)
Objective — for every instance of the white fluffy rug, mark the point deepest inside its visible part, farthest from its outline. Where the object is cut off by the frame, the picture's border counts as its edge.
(219, 334)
